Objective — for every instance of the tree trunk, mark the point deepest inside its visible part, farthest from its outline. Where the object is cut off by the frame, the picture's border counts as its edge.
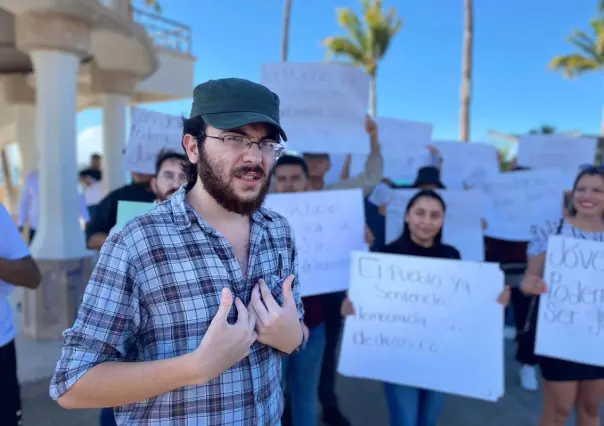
(285, 39)
(466, 84)
(372, 95)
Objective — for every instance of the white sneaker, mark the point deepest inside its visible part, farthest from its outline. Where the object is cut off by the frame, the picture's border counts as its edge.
(509, 332)
(528, 378)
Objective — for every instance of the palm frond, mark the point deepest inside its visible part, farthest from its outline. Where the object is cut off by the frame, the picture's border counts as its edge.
(574, 65)
(154, 4)
(341, 46)
(586, 44)
(351, 23)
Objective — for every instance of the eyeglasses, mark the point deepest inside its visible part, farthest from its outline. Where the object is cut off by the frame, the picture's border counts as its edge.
(240, 144)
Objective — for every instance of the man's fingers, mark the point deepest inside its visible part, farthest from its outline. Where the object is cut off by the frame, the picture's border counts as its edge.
(267, 297)
(259, 308)
(251, 322)
(242, 314)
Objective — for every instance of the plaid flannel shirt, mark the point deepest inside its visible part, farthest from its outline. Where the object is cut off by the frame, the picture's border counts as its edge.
(152, 295)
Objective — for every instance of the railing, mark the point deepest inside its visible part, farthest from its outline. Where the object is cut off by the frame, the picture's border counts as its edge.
(165, 33)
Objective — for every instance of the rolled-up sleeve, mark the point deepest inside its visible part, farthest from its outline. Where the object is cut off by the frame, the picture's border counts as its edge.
(107, 320)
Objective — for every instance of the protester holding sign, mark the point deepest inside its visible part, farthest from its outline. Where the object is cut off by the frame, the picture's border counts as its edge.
(566, 384)
(421, 236)
(318, 166)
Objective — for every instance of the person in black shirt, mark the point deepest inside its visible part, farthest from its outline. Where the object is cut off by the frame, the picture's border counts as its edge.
(169, 176)
(93, 173)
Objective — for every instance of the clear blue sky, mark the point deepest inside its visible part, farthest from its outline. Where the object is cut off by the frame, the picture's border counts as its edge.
(420, 78)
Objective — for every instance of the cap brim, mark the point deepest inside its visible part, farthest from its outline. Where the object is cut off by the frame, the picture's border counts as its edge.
(233, 120)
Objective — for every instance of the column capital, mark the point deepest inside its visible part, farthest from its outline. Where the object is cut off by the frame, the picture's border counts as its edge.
(52, 31)
(17, 91)
(117, 82)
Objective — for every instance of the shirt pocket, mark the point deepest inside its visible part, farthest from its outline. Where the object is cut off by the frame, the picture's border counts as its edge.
(275, 285)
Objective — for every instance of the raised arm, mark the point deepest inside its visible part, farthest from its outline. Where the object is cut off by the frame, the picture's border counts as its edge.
(16, 265)
(374, 166)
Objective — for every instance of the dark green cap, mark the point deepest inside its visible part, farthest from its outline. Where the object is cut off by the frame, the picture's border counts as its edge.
(229, 103)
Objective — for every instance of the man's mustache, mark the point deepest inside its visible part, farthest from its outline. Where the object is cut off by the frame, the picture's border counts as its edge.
(247, 169)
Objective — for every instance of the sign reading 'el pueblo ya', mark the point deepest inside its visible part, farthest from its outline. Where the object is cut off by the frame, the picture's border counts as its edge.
(327, 225)
(427, 323)
(571, 313)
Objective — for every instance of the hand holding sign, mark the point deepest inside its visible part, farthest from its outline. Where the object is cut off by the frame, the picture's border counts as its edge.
(505, 296)
(224, 344)
(347, 308)
(370, 126)
(533, 285)
(277, 326)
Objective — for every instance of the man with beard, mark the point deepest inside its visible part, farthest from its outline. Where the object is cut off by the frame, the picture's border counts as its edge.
(157, 334)
(169, 176)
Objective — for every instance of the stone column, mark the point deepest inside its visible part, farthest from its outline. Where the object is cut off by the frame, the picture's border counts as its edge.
(56, 44)
(115, 89)
(22, 96)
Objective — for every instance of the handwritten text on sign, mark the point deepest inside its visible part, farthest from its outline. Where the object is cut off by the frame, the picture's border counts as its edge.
(466, 164)
(322, 105)
(520, 200)
(150, 132)
(555, 151)
(462, 226)
(428, 323)
(571, 314)
(328, 225)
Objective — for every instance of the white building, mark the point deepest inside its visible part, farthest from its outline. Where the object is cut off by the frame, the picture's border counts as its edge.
(58, 57)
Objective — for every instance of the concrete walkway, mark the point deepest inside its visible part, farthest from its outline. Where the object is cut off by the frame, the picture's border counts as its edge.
(361, 400)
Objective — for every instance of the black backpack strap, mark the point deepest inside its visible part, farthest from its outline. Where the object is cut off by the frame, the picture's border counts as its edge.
(559, 227)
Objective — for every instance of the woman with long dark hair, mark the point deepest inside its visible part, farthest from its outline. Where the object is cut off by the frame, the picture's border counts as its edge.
(421, 236)
(567, 385)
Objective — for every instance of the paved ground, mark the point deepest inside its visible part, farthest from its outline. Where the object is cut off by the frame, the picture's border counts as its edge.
(361, 400)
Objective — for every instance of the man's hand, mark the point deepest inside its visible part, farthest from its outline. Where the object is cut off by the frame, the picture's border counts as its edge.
(277, 326)
(224, 345)
(369, 237)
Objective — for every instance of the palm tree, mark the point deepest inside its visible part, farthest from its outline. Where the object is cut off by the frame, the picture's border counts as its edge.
(153, 4)
(590, 57)
(285, 39)
(543, 130)
(367, 40)
(466, 83)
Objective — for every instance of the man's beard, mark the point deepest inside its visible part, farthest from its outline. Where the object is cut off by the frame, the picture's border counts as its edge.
(166, 195)
(219, 187)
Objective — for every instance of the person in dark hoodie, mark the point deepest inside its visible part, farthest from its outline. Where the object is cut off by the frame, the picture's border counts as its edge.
(422, 236)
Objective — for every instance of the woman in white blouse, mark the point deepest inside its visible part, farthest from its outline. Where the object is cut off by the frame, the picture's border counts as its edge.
(568, 385)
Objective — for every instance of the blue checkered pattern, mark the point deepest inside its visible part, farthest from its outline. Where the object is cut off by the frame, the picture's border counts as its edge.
(153, 294)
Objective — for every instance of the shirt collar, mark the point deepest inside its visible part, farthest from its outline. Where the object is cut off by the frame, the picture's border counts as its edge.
(184, 215)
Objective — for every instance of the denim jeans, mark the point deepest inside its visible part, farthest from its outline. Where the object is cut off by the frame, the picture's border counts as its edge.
(409, 406)
(107, 417)
(333, 331)
(301, 373)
